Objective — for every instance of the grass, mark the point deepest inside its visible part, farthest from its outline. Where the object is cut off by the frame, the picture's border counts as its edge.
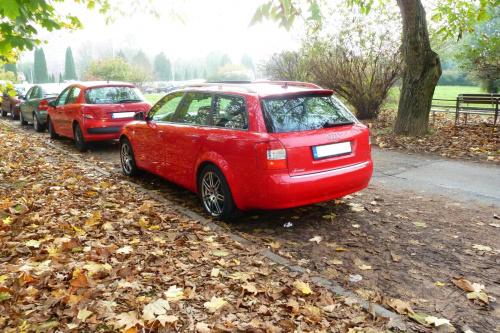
(451, 92)
(153, 98)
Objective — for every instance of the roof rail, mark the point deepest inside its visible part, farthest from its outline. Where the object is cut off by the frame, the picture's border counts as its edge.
(291, 83)
(220, 85)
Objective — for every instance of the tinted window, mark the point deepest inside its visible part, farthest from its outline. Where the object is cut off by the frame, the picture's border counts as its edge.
(195, 109)
(113, 95)
(231, 112)
(165, 108)
(303, 113)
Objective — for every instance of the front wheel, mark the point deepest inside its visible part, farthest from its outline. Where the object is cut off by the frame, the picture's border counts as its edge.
(39, 127)
(127, 158)
(215, 193)
(52, 131)
(21, 119)
(81, 145)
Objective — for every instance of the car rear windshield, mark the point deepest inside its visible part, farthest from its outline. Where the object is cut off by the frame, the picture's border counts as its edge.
(305, 112)
(113, 95)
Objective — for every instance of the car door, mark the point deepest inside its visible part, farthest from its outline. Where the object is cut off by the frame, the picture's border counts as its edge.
(148, 135)
(70, 113)
(59, 119)
(183, 140)
(26, 107)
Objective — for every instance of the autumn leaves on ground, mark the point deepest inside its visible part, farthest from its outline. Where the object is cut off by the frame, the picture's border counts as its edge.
(80, 252)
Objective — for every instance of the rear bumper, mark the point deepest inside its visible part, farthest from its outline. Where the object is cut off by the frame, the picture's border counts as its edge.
(278, 191)
(97, 130)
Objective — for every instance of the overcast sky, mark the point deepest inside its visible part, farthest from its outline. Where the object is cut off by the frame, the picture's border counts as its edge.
(209, 26)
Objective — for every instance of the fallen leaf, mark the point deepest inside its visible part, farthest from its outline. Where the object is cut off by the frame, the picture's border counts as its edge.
(439, 284)
(395, 257)
(83, 314)
(173, 293)
(436, 321)
(129, 319)
(126, 249)
(462, 284)
(303, 287)
(400, 306)
(482, 247)
(316, 239)
(365, 267)
(275, 245)
(419, 224)
(479, 296)
(215, 303)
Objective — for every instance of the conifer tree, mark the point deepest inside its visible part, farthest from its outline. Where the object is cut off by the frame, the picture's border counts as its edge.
(69, 66)
(41, 74)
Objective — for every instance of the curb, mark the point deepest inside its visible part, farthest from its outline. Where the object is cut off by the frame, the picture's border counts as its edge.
(397, 321)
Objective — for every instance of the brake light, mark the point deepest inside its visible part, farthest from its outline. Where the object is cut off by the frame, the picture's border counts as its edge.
(43, 105)
(88, 113)
(271, 155)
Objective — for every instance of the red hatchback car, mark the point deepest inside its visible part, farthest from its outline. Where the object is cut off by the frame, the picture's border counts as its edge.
(258, 145)
(94, 111)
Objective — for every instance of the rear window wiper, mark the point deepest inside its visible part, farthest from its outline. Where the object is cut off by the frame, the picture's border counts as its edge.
(129, 100)
(343, 123)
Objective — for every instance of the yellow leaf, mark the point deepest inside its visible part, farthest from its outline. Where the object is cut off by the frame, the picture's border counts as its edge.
(436, 321)
(135, 241)
(83, 314)
(439, 284)
(316, 239)
(3, 278)
(7, 221)
(173, 293)
(94, 267)
(34, 243)
(126, 249)
(274, 245)
(482, 247)
(336, 262)
(159, 240)
(78, 230)
(154, 227)
(303, 287)
(365, 267)
(340, 249)
(215, 303)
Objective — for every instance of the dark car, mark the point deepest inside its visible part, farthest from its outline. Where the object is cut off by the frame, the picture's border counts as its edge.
(33, 109)
(9, 101)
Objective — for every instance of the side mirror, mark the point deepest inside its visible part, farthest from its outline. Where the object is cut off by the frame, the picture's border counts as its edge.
(139, 116)
(52, 103)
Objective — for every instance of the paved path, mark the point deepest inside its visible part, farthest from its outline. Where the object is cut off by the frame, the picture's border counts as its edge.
(459, 180)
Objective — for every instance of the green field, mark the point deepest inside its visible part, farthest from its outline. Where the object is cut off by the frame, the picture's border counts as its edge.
(153, 98)
(451, 92)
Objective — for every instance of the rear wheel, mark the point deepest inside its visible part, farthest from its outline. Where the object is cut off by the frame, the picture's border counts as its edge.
(39, 127)
(127, 159)
(12, 114)
(215, 193)
(81, 145)
(52, 131)
(21, 118)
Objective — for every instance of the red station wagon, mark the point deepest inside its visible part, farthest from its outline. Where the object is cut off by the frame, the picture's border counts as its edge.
(258, 145)
(94, 111)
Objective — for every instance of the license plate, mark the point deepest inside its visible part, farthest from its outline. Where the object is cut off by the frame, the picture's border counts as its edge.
(121, 115)
(333, 149)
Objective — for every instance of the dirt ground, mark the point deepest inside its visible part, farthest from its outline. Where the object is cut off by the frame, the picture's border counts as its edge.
(395, 244)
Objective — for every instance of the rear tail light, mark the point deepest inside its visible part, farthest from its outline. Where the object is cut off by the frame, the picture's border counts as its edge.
(271, 155)
(43, 105)
(88, 113)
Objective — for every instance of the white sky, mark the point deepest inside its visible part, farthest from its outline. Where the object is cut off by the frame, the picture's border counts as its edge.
(210, 25)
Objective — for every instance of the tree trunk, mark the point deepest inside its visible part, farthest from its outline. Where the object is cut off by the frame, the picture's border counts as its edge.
(421, 71)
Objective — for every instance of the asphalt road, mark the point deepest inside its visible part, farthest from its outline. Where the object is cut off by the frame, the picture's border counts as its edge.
(458, 180)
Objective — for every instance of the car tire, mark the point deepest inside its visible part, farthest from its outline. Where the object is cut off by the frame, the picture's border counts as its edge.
(52, 131)
(21, 119)
(12, 114)
(127, 158)
(81, 145)
(215, 194)
(39, 127)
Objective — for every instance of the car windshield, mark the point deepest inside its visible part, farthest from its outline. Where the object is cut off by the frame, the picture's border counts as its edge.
(305, 112)
(113, 95)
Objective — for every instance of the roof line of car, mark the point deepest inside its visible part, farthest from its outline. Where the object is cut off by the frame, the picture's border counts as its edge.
(249, 89)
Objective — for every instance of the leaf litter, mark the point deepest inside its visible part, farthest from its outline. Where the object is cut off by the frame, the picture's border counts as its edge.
(84, 253)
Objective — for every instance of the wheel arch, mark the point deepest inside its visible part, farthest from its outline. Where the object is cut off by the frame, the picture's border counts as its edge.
(219, 162)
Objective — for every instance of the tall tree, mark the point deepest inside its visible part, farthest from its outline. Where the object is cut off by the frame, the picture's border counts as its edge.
(41, 74)
(225, 60)
(61, 79)
(108, 69)
(69, 66)
(422, 68)
(10, 67)
(162, 67)
(247, 61)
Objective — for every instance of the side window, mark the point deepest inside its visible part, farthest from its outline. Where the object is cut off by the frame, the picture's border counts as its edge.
(165, 108)
(62, 98)
(31, 93)
(231, 112)
(195, 109)
(73, 95)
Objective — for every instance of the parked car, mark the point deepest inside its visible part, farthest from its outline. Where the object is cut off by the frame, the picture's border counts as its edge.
(94, 111)
(249, 146)
(9, 101)
(33, 107)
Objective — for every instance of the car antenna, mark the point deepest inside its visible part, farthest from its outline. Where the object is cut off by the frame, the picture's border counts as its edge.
(285, 86)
